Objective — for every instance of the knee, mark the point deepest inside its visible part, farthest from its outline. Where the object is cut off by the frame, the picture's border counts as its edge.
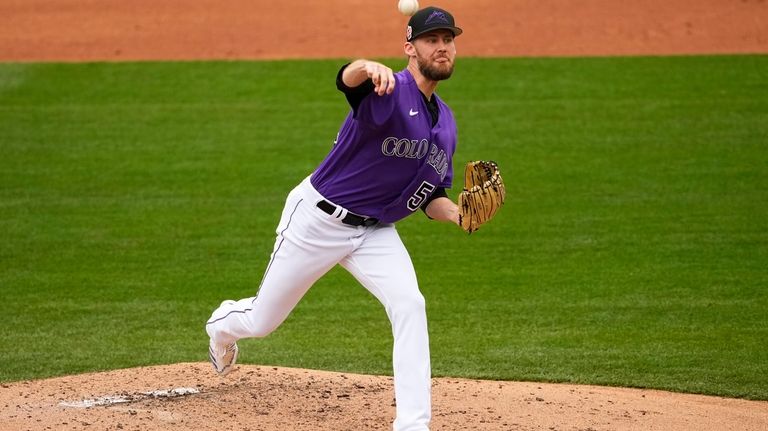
(409, 306)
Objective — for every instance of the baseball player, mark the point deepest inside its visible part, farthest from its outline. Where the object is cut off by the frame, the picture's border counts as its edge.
(392, 157)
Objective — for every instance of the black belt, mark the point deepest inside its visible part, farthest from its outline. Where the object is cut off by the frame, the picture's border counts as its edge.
(350, 219)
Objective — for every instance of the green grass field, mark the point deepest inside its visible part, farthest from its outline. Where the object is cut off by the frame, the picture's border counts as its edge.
(633, 249)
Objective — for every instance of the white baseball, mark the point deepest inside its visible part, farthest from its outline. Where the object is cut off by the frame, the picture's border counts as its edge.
(408, 7)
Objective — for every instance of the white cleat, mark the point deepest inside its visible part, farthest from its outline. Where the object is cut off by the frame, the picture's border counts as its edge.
(223, 357)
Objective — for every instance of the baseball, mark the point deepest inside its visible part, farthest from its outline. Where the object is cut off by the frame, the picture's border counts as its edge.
(408, 7)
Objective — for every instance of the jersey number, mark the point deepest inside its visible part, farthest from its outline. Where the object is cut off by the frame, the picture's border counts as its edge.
(418, 198)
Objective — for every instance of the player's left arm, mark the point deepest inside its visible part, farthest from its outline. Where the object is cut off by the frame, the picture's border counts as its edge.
(442, 208)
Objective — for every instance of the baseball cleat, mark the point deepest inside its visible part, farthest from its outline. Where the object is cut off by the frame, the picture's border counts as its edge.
(223, 357)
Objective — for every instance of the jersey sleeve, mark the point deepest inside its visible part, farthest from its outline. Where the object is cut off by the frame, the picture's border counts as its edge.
(447, 182)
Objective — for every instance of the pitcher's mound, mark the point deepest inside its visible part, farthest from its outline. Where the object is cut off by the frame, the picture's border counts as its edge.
(191, 397)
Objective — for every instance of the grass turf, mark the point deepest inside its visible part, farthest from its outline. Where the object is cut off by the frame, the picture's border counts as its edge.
(633, 249)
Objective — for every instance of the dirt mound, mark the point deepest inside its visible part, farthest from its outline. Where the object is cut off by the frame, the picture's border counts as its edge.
(191, 397)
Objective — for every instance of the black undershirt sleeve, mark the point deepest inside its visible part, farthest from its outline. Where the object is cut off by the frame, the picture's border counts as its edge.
(355, 95)
(438, 193)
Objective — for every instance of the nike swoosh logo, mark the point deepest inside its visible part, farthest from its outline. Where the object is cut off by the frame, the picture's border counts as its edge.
(412, 112)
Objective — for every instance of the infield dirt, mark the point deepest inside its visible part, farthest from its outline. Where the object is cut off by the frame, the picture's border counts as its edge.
(267, 398)
(86, 30)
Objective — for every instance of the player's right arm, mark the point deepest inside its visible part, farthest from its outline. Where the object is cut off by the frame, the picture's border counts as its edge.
(361, 70)
(353, 80)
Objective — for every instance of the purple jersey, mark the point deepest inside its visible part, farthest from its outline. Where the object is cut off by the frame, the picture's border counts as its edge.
(388, 158)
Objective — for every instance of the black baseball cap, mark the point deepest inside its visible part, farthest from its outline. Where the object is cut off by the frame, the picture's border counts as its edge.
(428, 19)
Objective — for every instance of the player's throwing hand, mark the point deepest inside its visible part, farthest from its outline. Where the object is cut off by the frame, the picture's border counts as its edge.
(382, 76)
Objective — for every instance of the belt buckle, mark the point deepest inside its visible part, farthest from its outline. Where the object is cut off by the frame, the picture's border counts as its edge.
(370, 222)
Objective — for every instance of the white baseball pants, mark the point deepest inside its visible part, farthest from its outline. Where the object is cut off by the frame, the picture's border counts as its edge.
(309, 243)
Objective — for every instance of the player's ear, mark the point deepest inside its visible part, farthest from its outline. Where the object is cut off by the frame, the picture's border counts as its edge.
(409, 49)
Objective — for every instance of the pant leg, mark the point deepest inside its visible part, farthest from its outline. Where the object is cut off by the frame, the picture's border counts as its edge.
(309, 243)
(382, 264)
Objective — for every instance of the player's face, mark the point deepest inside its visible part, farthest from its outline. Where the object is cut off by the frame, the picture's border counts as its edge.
(435, 54)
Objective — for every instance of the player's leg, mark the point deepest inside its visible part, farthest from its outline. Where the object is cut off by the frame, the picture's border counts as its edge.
(382, 264)
(308, 244)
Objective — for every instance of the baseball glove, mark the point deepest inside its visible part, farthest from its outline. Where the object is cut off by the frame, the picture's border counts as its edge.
(482, 196)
